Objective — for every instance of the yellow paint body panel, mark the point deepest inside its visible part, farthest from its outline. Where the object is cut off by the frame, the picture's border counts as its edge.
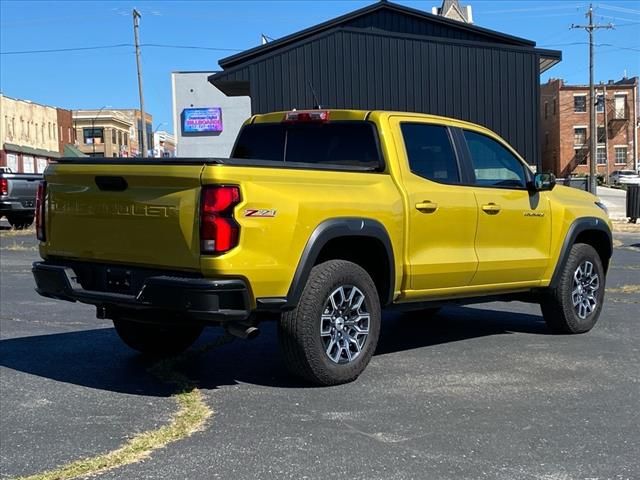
(455, 251)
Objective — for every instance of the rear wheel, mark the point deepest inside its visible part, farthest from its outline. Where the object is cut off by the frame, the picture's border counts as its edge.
(575, 304)
(331, 335)
(20, 222)
(158, 340)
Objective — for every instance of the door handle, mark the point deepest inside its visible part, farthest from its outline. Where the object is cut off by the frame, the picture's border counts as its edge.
(491, 208)
(427, 206)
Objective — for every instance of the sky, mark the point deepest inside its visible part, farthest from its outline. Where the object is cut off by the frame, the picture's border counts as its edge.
(94, 78)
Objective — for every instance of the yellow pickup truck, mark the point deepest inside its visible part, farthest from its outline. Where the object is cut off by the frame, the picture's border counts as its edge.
(320, 219)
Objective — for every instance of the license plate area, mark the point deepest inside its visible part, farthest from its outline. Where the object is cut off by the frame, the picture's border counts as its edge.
(118, 280)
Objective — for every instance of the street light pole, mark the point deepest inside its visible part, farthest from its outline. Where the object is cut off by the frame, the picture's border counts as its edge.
(143, 121)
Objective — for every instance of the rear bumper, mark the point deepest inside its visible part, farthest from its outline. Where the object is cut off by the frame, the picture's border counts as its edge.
(9, 206)
(200, 299)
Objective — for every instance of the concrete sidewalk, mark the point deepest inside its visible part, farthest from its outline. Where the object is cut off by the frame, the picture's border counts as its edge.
(615, 200)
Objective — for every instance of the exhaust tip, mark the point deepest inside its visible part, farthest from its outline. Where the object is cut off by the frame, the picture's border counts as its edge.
(243, 331)
(252, 332)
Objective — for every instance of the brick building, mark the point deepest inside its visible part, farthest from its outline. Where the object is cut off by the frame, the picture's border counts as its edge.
(66, 132)
(565, 135)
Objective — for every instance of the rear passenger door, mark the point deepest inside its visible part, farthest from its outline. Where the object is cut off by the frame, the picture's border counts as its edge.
(514, 225)
(441, 214)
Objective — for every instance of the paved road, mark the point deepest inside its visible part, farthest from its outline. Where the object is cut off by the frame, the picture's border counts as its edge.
(482, 392)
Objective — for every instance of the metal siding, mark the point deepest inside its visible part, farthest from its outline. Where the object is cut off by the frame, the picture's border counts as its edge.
(401, 23)
(486, 85)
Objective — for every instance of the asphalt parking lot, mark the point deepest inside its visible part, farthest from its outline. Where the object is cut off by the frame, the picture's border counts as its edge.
(475, 392)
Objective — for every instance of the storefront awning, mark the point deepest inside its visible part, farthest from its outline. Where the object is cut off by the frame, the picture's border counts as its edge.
(36, 152)
(72, 151)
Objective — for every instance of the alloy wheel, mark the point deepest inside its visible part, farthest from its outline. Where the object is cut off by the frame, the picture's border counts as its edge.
(344, 324)
(586, 283)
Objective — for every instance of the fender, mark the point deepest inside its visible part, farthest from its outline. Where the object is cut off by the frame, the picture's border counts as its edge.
(326, 231)
(577, 227)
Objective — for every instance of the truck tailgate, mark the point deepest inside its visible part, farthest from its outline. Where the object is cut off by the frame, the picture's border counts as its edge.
(23, 187)
(130, 214)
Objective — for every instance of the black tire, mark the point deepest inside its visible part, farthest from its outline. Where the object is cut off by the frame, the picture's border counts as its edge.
(157, 340)
(20, 222)
(558, 309)
(303, 346)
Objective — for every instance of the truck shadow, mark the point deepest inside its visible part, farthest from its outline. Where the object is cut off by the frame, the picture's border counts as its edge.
(98, 359)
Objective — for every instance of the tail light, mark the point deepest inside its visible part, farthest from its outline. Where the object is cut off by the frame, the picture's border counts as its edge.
(40, 211)
(4, 186)
(219, 231)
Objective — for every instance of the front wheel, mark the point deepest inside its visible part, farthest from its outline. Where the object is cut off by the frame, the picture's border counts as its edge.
(157, 340)
(329, 338)
(575, 304)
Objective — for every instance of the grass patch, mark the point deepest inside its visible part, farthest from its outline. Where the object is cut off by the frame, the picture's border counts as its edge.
(625, 227)
(10, 232)
(191, 417)
(19, 247)
(625, 289)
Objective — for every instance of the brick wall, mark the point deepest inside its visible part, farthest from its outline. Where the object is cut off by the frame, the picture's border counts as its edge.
(66, 132)
(562, 151)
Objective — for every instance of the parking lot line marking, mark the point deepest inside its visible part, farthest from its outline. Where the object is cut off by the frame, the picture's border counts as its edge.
(190, 418)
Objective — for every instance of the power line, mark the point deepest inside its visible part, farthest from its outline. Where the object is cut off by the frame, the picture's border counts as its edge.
(618, 9)
(536, 9)
(193, 47)
(616, 47)
(72, 49)
(119, 45)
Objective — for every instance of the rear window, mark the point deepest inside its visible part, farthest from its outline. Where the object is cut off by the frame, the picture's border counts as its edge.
(337, 143)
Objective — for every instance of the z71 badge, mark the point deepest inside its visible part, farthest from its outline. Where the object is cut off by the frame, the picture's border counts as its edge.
(251, 212)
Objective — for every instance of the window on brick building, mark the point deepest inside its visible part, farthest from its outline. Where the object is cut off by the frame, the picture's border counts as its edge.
(580, 103)
(621, 155)
(602, 135)
(579, 135)
(600, 103)
(601, 156)
(620, 107)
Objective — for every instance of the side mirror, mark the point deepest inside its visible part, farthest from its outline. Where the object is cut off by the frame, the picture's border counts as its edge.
(543, 182)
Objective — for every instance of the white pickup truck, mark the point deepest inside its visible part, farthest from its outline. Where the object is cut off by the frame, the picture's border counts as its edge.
(18, 197)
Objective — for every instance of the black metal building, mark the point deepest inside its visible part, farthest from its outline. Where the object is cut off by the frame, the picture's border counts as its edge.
(391, 57)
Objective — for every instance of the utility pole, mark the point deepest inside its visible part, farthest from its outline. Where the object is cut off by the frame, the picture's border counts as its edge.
(143, 121)
(606, 131)
(593, 148)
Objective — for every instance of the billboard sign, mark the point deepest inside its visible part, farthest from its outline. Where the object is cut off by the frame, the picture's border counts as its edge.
(201, 121)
